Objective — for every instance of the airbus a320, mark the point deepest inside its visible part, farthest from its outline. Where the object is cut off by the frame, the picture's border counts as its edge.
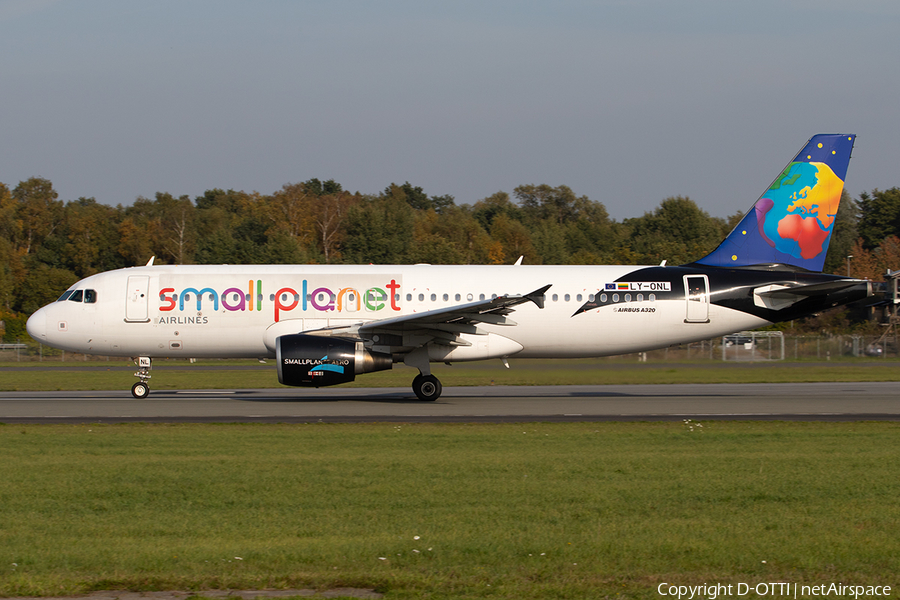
(327, 324)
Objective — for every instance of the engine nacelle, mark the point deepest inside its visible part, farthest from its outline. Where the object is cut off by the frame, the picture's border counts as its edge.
(315, 361)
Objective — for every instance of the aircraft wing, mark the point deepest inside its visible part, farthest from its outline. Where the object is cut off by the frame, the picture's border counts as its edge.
(443, 325)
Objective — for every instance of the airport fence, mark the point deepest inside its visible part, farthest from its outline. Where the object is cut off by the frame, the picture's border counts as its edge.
(760, 346)
(747, 346)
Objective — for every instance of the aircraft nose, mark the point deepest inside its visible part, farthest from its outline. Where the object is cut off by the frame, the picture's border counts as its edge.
(37, 325)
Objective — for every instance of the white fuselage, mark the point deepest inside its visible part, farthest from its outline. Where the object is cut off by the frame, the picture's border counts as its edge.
(154, 311)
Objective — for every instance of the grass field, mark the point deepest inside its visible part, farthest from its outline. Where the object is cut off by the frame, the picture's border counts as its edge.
(182, 375)
(579, 510)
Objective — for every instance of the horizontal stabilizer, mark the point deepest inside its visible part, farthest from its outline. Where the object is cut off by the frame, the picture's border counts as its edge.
(777, 297)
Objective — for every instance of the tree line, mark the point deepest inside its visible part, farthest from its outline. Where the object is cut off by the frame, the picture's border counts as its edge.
(47, 244)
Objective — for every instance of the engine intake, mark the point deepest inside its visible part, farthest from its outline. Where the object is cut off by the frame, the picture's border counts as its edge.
(314, 361)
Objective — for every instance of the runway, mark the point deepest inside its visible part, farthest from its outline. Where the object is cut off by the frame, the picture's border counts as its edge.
(761, 401)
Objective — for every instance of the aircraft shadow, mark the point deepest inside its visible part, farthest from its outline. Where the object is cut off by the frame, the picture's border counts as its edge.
(409, 398)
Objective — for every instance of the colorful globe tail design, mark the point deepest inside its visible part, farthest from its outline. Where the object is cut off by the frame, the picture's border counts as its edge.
(792, 222)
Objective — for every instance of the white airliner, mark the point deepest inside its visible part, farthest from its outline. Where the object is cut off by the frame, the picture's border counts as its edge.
(326, 324)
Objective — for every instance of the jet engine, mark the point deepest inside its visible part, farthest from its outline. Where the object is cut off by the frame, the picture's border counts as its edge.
(315, 361)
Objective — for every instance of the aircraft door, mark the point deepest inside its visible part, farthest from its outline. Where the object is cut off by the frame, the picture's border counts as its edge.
(137, 299)
(696, 290)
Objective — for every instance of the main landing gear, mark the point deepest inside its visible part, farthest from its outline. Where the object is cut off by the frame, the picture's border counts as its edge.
(141, 389)
(427, 387)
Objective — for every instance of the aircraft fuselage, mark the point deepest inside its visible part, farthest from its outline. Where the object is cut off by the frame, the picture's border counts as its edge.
(238, 311)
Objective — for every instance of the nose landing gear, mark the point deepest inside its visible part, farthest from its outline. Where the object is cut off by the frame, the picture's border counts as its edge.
(141, 389)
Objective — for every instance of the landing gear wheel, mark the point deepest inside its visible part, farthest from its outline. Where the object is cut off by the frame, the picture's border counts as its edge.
(140, 390)
(427, 387)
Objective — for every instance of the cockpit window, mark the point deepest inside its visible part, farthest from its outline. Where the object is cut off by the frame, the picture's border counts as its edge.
(77, 296)
(65, 295)
(90, 296)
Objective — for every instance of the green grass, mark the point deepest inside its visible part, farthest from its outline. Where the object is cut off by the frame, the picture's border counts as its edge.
(579, 510)
(181, 375)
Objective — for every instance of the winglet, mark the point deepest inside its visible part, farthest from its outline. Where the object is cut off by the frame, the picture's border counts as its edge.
(150, 262)
(537, 296)
(792, 222)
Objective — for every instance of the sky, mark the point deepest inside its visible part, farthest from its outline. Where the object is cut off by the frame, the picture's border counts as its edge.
(626, 102)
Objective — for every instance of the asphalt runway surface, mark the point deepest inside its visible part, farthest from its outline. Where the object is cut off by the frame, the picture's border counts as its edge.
(758, 401)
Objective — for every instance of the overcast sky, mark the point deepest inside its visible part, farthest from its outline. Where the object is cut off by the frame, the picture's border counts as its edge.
(625, 102)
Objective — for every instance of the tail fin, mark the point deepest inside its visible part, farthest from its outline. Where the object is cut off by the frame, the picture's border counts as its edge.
(792, 222)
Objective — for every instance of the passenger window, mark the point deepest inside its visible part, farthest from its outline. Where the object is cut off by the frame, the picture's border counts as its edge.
(65, 296)
(458, 297)
(469, 297)
(567, 297)
(421, 297)
(493, 296)
(603, 297)
(640, 297)
(555, 297)
(409, 297)
(652, 297)
(77, 296)
(446, 297)
(627, 297)
(615, 297)
(578, 298)
(433, 297)
(90, 296)
(481, 297)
